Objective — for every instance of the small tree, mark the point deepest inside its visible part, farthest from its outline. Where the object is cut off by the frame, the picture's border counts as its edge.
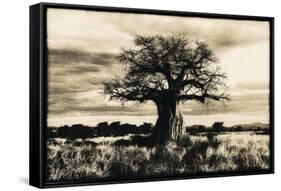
(168, 71)
(218, 126)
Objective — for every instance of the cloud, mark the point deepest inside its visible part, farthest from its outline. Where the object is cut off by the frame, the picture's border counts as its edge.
(219, 33)
(252, 86)
(92, 31)
(75, 71)
(68, 56)
(243, 104)
(72, 74)
(95, 103)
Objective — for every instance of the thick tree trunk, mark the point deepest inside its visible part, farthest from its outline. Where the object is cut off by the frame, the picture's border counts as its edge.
(169, 124)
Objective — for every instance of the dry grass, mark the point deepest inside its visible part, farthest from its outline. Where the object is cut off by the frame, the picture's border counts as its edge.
(215, 153)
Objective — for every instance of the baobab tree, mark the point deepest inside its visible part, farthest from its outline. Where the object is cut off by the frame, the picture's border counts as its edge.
(168, 71)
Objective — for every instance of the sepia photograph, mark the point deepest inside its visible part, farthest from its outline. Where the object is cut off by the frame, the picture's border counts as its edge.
(139, 95)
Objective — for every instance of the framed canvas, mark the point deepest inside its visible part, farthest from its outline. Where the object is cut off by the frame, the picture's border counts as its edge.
(129, 95)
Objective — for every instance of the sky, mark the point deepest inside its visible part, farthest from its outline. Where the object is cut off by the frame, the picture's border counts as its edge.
(82, 50)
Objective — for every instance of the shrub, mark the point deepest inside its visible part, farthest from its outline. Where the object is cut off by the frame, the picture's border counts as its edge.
(218, 126)
(184, 141)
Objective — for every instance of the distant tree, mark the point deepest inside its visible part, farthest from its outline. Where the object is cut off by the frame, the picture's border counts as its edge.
(102, 125)
(168, 71)
(218, 126)
(201, 128)
(115, 124)
(239, 128)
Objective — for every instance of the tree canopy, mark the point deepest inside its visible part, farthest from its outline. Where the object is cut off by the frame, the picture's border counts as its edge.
(168, 66)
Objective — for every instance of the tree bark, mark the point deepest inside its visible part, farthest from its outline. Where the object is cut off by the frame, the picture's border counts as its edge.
(169, 124)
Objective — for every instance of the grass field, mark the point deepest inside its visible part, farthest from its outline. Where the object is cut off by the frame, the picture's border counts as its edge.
(227, 152)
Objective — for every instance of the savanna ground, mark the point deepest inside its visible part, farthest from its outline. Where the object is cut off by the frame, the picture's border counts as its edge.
(132, 156)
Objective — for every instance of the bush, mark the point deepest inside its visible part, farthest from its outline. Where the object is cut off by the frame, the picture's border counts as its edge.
(218, 126)
(102, 129)
(213, 140)
(184, 141)
(137, 140)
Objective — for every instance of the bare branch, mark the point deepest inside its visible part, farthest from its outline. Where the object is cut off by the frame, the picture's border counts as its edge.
(169, 67)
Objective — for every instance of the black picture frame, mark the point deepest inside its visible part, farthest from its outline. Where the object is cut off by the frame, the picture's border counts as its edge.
(39, 104)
